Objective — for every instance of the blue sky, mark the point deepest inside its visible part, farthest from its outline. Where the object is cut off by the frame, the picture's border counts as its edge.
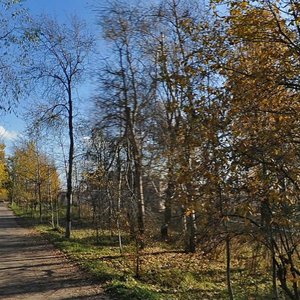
(11, 125)
(58, 7)
(61, 9)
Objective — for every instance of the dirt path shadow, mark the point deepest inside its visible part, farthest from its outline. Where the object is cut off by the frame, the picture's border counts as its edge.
(31, 269)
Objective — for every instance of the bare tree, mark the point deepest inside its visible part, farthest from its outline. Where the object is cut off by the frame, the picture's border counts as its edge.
(127, 90)
(60, 54)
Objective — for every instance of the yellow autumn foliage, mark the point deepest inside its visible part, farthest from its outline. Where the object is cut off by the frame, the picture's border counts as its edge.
(4, 177)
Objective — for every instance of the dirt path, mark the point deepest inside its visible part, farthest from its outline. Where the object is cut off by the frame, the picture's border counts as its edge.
(31, 269)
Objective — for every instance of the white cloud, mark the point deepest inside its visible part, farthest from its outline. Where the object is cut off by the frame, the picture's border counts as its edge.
(7, 135)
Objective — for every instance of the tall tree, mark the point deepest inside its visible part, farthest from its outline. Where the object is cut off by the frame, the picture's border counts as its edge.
(187, 90)
(261, 70)
(127, 92)
(59, 57)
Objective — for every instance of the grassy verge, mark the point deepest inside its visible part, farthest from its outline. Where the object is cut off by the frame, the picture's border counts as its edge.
(165, 274)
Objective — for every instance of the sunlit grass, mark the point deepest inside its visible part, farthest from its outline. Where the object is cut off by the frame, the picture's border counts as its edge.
(165, 273)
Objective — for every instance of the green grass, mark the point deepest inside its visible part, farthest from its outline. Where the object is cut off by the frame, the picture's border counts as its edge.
(167, 275)
(131, 289)
(103, 262)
